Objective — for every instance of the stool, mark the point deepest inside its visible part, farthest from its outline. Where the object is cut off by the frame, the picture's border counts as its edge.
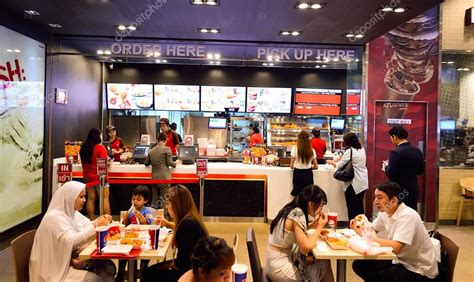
(467, 185)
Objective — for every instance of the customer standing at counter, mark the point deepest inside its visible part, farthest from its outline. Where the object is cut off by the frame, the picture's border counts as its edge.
(62, 235)
(159, 157)
(116, 143)
(404, 165)
(303, 161)
(255, 138)
(354, 190)
(319, 145)
(90, 151)
(172, 140)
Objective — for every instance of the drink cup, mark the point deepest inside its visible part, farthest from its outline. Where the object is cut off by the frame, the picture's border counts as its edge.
(154, 232)
(332, 220)
(239, 273)
(123, 216)
(101, 233)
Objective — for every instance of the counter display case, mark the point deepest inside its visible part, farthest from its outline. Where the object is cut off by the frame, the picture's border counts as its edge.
(283, 131)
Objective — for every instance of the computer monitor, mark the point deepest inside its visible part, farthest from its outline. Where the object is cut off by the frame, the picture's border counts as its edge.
(217, 123)
(140, 153)
(448, 124)
(187, 154)
(337, 123)
(109, 149)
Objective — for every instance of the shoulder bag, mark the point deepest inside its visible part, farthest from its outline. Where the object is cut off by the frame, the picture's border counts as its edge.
(346, 172)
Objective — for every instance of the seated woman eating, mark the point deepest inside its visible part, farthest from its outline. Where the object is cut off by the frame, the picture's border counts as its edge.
(285, 263)
(188, 228)
(62, 235)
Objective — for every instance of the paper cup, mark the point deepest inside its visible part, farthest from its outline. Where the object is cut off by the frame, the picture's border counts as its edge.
(100, 234)
(154, 232)
(332, 220)
(239, 273)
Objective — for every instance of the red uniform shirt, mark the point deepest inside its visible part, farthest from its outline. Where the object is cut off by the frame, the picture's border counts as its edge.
(319, 146)
(90, 170)
(255, 138)
(171, 142)
(117, 144)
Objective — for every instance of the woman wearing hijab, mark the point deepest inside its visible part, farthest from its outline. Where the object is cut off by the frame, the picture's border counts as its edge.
(62, 235)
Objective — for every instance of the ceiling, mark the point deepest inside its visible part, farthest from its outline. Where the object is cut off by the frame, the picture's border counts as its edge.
(239, 20)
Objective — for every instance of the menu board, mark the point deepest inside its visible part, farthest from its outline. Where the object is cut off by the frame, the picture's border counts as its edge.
(121, 96)
(353, 102)
(217, 98)
(268, 100)
(176, 97)
(314, 101)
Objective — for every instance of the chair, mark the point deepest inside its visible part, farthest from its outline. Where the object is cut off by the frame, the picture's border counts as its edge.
(467, 185)
(258, 273)
(235, 245)
(21, 248)
(449, 255)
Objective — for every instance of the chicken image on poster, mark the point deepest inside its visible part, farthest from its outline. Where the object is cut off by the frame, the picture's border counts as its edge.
(176, 97)
(218, 98)
(268, 100)
(122, 96)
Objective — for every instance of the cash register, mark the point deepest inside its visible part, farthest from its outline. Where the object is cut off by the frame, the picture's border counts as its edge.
(140, 153)
(187, 154)
(109, 148)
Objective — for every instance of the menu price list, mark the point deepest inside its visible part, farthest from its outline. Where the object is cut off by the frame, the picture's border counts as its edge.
(353, 102)
(318, 101)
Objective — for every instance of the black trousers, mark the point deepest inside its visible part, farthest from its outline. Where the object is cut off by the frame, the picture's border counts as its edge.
(410, 198)
(354, 203)
(381, 270)
(301, 179)
(160, 272)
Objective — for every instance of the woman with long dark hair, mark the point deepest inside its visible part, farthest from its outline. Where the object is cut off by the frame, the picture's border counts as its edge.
(354, 190)
(290, 227)
(303, 161)
(91, 150)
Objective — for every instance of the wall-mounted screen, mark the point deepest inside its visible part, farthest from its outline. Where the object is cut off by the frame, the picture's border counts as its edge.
(448, 124)
(353, 101)
(176, 97)
(337, 123)
(268, 100)
(316, 101)
(217, 98)
(123, 96)
(217, 123)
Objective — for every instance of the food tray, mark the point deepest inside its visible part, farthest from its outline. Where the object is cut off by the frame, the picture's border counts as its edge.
(337, 244)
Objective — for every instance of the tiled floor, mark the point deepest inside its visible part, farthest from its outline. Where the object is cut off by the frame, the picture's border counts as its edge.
(463, 236)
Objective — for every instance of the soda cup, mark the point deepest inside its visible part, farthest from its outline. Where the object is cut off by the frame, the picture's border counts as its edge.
(154, 232)
(332, 220)
(100, 235)
(239, 272)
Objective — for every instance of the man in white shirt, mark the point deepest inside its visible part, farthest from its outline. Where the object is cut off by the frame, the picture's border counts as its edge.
(416, 257)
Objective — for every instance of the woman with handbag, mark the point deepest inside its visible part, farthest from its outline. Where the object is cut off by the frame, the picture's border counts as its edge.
(303, 161)
(289, 245)
(354, 188)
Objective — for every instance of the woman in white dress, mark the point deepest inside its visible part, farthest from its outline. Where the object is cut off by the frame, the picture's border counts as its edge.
(61, 235)
(290, 226)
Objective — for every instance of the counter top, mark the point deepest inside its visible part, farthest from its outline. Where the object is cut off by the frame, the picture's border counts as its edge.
(456, 167)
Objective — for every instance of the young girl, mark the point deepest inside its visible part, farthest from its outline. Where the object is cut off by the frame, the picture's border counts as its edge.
(303, 161)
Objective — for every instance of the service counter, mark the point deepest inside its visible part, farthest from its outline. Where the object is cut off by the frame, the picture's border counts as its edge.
(450, 194)
(235, 189)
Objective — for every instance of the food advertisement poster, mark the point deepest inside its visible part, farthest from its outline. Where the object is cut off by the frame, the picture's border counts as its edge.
(121, 96)
(22, 65)
(217, 98)
(402, 76)
(177, 97)
(268, 100)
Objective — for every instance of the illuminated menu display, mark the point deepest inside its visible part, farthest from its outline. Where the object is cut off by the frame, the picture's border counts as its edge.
(268, 100)
(121, 96)
(314, 101)
(353, 102)
(217, 98)
(177, 97)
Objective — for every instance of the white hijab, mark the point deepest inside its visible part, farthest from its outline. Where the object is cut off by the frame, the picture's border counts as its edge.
(53, 245)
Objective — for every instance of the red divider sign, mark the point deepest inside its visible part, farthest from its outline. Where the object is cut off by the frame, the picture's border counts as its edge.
(201, 167)
(64, 173)
(101, 166)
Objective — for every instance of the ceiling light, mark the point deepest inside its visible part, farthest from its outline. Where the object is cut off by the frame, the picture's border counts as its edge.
(32, 13)
(303, 6)
(318, 66)
(119, 60)
(285, 33)
(207, 30)
(387, 9)
(156, 54)
(203, 30)
(319, 61)
(218, 63)
(160, 61)
(459, 69)
(211, 2)
(336, 59)
(317, 6)
(107, 52)
(100, 52)
(399, 10)
(269, 58)
(197, 2)
(132, 27)
(356, 60)
(295, 33)
(122, 27)
(359, 36)
(465, 69)
(17, 51)
(214, 30)
(9, 50)
(164, 61)
(212, 62)
(349, 35)
(324, 66)
(210, 56)
(450, 62)
(469, 51)
(217, 56)
(264, 64)
(149, 54)
(55, 25)
(277, 58)
(205, 2)
(271, 64)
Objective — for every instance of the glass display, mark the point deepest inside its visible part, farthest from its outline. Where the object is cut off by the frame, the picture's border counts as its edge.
(217, 98)
(315, 101)
(122, 96)
(176, 97)
(268, 100)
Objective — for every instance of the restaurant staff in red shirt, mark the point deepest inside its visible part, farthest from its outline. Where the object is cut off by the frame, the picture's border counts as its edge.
(116, 143)
(319, 145)
(172, 140)
(255, 136)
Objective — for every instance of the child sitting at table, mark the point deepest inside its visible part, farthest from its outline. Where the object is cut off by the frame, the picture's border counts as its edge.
(139, 213)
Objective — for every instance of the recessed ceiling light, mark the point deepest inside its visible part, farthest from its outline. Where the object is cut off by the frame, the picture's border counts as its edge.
(156, 54)
(302, 6)
(399, 10)
(317, 66)
(9, 50)
(100, 52)
(205, 2)
(319, 61)
(295, 33)
(214, 30)
(197, 2)
(218, 63)
(55, 25)
(277, 58)
(271, 64)
(356, 60)
(217, 56)
(121, 27)
(211, 2)
(450, 62)
(210, 56)
(317, 6)
(269, 58)
(349, 35)
(203, 30)
(158, 61)
(459, 69)
(32, 13)
(285, 33)
(119, 60)
(17, 51)
(465, 69)
(207, 30)
(107, 52)
(324, 66)
(149, 54)
(164, 61)
(132, 27)
(264, 64)
(359, 35)
(469, 51)
(387, 9)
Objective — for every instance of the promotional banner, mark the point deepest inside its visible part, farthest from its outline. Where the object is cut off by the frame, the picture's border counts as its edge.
(22, 67)
(403, 90)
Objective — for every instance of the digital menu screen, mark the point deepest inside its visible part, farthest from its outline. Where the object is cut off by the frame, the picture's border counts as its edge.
(219, 123)
(176, 97)
(314, 101)
(217, 98)
(121, 96)
(353, 102)
(268, 100)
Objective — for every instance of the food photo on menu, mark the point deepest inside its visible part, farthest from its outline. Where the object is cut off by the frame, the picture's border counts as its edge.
(121, 96)
(176, 97)
(268, 100)
(22, 94)
(217, 98)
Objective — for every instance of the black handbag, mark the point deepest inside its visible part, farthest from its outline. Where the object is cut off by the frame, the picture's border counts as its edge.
(346, 172)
